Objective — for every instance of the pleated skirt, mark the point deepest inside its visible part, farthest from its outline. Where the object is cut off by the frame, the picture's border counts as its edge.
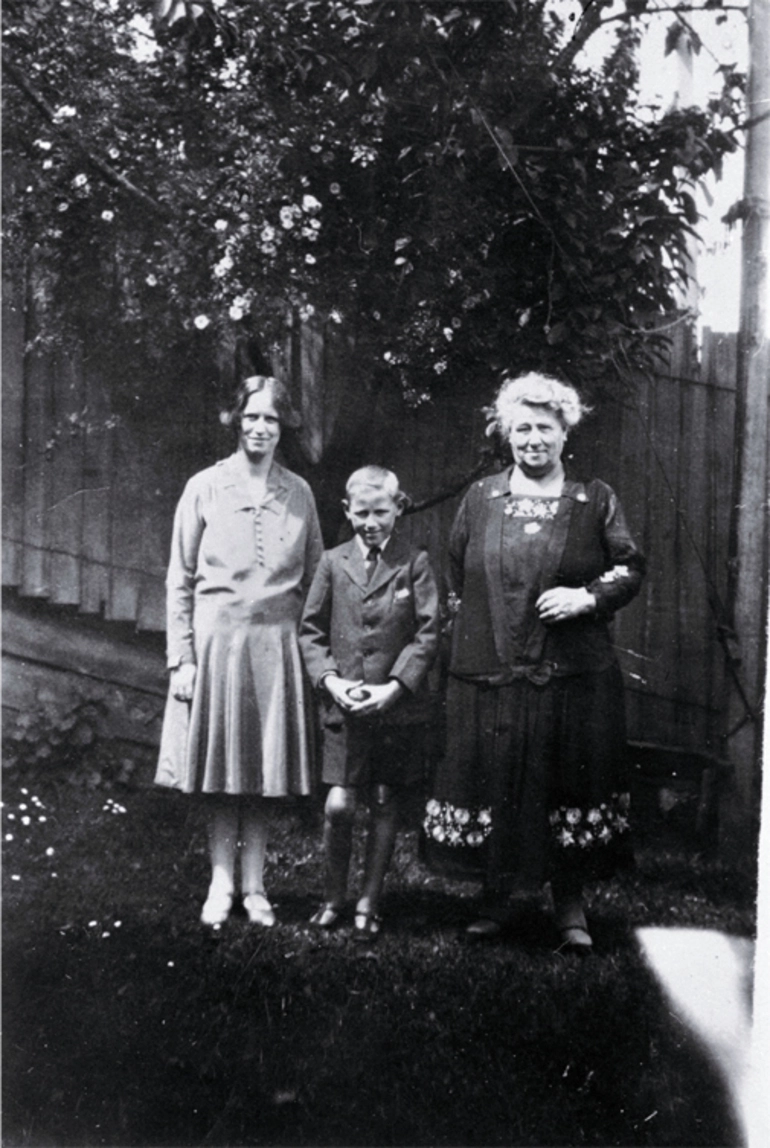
(249, 727)
(533, 781)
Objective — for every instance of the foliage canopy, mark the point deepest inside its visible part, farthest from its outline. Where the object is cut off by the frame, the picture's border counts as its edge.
(437, 179)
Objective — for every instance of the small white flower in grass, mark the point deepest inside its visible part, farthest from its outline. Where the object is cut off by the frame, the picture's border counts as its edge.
(9, 837)
(11, 816)
(267, 235)
(92, 924)
(108, 216)
(63, 207)
(49, 851)
(47, 164)
(44, 145)
(335, 316)
(310, 203)
(310, 258)
(221, 225)
(65, 112)
(42, 817)
(171, 964)
(26, 820)
(335, 188)
(24, 792)
(235, 313)
(201, 322)
(54, 874)
(105, 934)
(15, 877)
(113, 153)
(80, 180)
(22, 805)
(151, 281)
(448, 334)
(287, 217)
(117, 924)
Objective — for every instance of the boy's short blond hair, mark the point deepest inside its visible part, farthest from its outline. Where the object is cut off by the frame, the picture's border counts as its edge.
(374, 478)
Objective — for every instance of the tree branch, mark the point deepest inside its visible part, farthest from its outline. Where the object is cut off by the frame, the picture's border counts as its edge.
(105, 169)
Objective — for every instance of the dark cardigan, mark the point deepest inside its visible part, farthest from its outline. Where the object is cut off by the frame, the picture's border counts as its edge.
(590, 545)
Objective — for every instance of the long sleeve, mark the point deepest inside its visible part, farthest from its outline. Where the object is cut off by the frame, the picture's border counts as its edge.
(315, 629)
(180, 579)
(313, 546)
(416, 658)
(458, 541)
(622, 579)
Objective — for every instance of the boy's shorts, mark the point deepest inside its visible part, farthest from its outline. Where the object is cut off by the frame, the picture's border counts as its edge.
(372, 752)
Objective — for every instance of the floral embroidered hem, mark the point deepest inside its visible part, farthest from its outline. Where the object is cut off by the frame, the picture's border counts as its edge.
(571, 827)
(451, 825)
(584, 828)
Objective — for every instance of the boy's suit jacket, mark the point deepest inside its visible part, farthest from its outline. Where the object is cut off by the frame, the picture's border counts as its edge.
(385, 628)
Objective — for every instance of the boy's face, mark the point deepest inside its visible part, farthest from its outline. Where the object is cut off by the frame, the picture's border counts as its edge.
(372, 513)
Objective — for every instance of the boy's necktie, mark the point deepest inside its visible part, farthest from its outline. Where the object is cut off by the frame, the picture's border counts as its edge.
(371, 561)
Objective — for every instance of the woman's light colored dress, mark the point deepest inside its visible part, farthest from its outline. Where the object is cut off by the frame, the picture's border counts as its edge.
(237, 579)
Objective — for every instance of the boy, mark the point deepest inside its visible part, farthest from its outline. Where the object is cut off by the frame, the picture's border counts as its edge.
(369, 635)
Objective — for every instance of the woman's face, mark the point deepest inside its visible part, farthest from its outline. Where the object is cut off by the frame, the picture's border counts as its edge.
(260, 426)
(537, 439)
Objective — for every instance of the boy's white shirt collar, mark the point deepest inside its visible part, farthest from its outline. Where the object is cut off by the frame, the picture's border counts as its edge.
(365, 548)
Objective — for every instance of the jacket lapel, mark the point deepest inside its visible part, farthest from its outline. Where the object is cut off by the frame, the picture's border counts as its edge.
(353, 564)
(494, 491)
(572, 492)
(391, 558)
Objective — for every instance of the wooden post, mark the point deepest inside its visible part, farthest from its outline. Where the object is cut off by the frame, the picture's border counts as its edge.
(749, 525)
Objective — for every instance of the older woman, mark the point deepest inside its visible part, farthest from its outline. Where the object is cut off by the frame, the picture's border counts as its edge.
(533, 784)
(245, 545)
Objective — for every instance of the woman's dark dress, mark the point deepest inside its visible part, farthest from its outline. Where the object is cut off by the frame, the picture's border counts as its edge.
(534, 777)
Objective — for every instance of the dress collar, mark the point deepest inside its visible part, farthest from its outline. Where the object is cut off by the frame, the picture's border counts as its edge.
(233, 479)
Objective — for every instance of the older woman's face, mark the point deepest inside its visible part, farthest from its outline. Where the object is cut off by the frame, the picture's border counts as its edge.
(537, 439)
(260, 425)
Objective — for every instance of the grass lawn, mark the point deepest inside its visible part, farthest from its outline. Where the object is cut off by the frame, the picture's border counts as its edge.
(126, 1023)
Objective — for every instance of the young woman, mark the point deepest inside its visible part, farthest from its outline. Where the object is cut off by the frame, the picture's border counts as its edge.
(237, 726)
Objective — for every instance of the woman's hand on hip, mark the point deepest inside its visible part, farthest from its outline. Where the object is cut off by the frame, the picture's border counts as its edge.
(563, 602)
(183, 681)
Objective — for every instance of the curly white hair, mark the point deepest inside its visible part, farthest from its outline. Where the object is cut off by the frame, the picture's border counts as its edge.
(535, 390)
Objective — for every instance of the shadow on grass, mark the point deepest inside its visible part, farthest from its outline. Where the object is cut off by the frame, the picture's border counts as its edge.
(127, 1024)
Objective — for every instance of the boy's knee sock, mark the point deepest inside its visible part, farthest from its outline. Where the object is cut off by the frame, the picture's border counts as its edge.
(383, 827)
(338, 844)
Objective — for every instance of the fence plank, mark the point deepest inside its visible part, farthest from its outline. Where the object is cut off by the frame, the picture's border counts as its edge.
(38, 420)
(13, 433)
(97, 480)
(66, 463)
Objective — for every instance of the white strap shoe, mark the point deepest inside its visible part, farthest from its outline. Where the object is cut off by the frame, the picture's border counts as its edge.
(259, 910)
(217, 906)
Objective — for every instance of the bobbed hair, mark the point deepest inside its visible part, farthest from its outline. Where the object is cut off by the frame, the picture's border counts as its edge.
(535, 390)
(290, 420)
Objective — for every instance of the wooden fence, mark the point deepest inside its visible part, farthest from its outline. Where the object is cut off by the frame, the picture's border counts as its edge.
(88, 503)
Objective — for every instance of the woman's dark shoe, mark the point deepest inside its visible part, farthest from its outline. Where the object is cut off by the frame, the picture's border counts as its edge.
(575, 940)
(484, 929)
(366, 926)
(327, 917)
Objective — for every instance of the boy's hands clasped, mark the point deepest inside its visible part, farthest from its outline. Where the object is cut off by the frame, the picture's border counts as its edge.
(378, 699)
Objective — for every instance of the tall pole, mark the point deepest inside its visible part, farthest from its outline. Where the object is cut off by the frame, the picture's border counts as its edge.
(749, 525)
